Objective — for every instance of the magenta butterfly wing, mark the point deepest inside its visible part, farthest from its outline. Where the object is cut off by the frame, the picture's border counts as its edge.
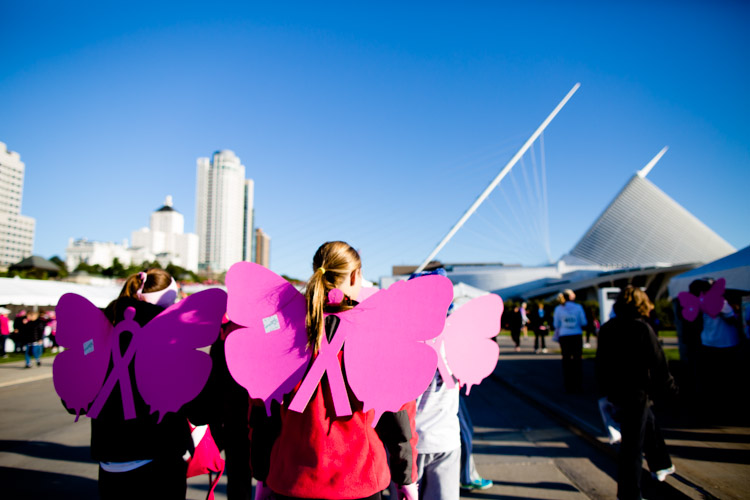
(710, 302)
(169, 369)
(268, 354)
(386, 359)
(79, 372)
(470, 348)
(690, 304)
(713, 300)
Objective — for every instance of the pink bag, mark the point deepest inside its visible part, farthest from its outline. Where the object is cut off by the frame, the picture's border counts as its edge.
(206, 458)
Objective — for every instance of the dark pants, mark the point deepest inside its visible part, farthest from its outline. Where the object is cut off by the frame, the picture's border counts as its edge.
(539, 339)
(640, 434)
(3, 338)
(165, 479)
(572, 363)
(516, 336)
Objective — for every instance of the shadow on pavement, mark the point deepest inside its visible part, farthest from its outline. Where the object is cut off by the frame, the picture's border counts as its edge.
(46, 450)
(23, 483)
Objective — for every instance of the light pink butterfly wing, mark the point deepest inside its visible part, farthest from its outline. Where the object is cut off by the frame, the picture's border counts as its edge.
(169, 369)
(387, 362)
(713, 300)
(268, 357)
(470, 348)
(78, 372)
(366, 292)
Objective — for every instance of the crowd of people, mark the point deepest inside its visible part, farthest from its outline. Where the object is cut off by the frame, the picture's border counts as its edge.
(421, 451)
(30, 332)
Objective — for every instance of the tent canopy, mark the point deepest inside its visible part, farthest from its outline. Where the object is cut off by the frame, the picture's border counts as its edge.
(734, 268)
(36, 262)
(46, 293)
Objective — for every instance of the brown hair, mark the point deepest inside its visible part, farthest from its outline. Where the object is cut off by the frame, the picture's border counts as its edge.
(632, 303)
(332, 264)
(156, 280)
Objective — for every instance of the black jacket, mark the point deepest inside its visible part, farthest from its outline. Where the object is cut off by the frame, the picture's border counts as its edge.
(630, 362)
(114, 439)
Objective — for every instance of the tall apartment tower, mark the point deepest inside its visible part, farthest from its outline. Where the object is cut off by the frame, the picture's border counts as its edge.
(224, 207)
(16, 230)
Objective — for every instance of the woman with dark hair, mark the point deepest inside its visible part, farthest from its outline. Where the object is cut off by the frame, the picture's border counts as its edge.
(142, 456)
(631, 370)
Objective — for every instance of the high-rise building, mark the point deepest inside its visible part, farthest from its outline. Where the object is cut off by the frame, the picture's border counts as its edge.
(166, 238)
(224, 208)
(16, 230)
(262, 248)
(248, 242)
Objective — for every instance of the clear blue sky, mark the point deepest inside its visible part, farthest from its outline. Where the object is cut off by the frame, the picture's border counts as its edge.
(375, 123)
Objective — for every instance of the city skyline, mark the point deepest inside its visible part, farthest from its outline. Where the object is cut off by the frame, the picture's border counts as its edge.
(378, 125)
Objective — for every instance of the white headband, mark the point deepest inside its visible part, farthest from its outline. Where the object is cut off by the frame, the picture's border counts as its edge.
(163, 298)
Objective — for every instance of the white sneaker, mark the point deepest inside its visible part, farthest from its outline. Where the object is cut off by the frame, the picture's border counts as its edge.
(544, 350)
(661, 475)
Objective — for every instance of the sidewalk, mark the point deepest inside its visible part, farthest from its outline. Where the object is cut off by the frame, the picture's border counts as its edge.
(712, 460)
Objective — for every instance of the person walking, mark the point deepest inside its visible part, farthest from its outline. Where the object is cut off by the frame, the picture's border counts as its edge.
(317, 454)
(569, 320)
(539, 324)
(515, 324)
(32, 334)
(631, 371)
(4, 331)
(143, 456)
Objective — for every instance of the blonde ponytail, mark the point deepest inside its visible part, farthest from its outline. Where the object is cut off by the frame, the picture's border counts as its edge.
(332, 263)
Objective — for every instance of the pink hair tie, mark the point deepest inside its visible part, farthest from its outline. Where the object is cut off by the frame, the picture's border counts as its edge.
(335, 296)
(143, 277)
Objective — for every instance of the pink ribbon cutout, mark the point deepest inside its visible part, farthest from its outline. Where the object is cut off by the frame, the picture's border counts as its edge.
(326, 362)
(120, 372)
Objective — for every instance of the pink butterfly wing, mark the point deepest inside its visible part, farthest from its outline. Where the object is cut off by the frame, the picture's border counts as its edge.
(387, 362)
(268, 357)
(713, 300)
(78, 372)
(690, 305)
(169, 369)
(470, 348)
(366, 292)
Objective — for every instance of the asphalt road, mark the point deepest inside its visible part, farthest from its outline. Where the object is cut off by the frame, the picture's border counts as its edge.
(44, 453)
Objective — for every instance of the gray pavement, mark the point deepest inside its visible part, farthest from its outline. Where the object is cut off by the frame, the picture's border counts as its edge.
(531, 439)
(711, 450)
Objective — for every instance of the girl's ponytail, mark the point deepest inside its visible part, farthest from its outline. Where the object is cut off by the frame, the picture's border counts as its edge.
(315, 296)
(333, 262)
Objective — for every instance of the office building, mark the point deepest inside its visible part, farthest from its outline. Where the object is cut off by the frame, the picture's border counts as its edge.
(102, 253)
(16, 230)
(262, 248)
(224, 207)
(166, 239)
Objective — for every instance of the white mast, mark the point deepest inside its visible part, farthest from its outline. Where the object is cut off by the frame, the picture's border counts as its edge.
(497, 179)
(645, 170)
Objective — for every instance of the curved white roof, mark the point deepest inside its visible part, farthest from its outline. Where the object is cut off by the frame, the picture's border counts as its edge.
(644, 226)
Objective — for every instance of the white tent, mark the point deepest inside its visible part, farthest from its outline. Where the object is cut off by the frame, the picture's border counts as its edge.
(463, 293)
(46, 293)
(734, 268)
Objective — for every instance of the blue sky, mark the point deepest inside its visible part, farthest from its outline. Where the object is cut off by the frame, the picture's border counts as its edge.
(376, 123)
